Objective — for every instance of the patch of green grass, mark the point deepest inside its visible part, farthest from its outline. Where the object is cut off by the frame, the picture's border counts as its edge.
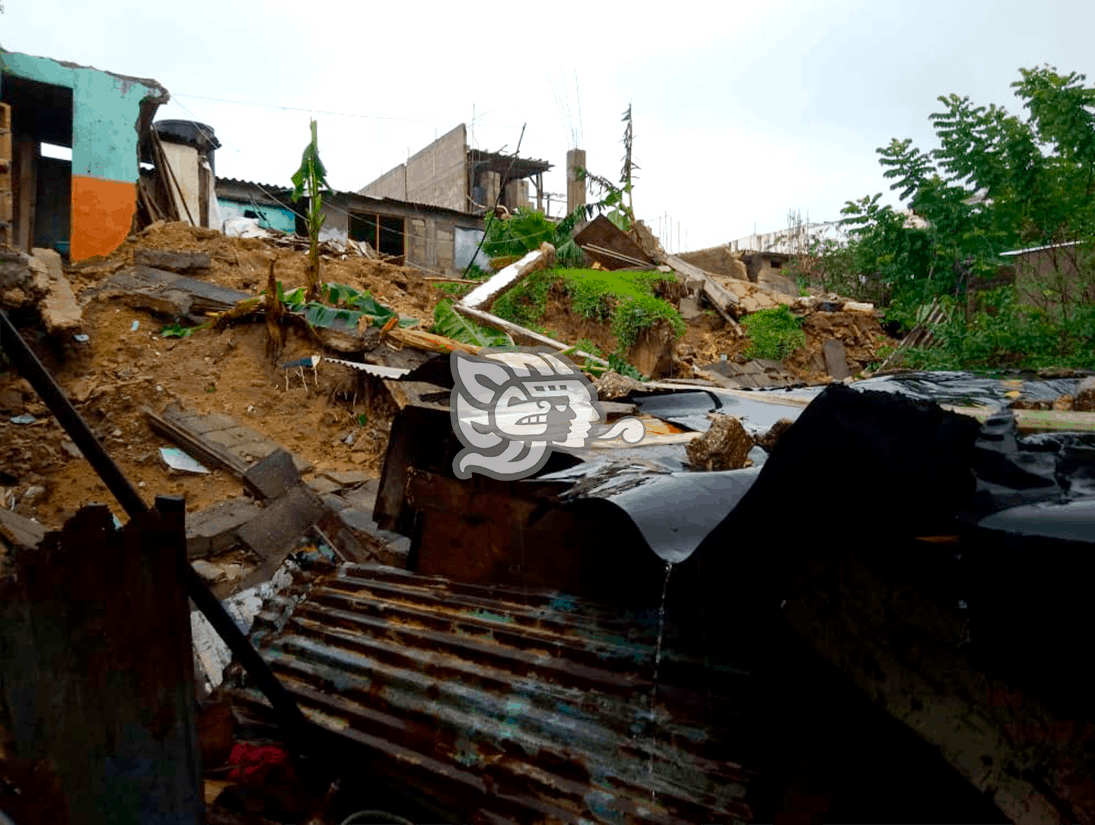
(625, 299)
(773, 333)
(587, 345)
(456, 290)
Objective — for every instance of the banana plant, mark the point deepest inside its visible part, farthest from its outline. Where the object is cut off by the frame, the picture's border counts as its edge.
(311, 179)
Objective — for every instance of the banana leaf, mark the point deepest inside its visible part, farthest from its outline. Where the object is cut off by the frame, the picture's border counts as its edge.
(449, 323)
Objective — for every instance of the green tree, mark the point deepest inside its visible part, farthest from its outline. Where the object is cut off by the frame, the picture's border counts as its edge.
(997, 181)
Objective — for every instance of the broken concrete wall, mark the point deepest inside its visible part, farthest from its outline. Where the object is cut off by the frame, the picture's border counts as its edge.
(437, 175)
(106, 110)
(718, 260)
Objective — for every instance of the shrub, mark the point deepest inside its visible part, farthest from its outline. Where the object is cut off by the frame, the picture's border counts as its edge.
(773, 333)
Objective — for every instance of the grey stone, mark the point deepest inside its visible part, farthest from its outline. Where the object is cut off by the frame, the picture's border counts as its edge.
(273, 476)
(364, 497)
(217, 529)
(690, 308)
(173, 261)
(324, 485)
(210, 572)
(1083, 400)
(361, 522)
(334, 502)
(836, 362)
(348, 478)
(274, 532)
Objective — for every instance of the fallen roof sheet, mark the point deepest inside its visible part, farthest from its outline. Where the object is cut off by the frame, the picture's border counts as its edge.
(674, 512)
(507, 704)
(690, 408)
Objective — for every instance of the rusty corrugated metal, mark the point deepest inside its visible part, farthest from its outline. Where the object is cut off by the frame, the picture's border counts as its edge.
(510, 706)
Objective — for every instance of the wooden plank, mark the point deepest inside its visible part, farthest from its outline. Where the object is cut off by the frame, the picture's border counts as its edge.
(720, 298)
(521, 332)
(610, 246)
(19, 531)
(26, 197)
(102, 687)
(601, 252)
(1035, 421)
(495, 286)
(172, 426)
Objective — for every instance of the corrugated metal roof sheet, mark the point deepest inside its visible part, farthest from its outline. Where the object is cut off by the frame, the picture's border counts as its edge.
(507, 706)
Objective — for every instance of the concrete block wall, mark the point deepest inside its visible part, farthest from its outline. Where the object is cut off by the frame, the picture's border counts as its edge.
(392, 184)
(437, 175)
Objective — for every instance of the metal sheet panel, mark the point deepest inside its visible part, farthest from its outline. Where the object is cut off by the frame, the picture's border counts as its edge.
(508, 705)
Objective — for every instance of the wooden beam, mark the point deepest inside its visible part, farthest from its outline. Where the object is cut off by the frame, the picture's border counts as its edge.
(26, 162)
(521, 332)
(170, 427)
(1035, 421)
(494, 287)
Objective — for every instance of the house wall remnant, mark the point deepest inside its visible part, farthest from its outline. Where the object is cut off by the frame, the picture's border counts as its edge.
(417, 235)
(269, 205)
(437, 175)
(109, 114)
(1054, 277)
(450, 175)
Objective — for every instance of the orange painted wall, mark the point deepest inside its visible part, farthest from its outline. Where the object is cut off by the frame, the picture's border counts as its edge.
(102, 215)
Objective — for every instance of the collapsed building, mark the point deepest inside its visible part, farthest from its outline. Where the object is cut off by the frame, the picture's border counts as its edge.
(83, 206)
(792, 597)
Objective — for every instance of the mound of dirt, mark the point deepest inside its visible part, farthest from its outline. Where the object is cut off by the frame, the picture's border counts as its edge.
(860, 333)
(337, 418)
(244, 264)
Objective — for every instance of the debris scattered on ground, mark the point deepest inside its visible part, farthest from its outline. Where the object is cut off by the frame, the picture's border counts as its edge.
(179, 461)
(310, 480)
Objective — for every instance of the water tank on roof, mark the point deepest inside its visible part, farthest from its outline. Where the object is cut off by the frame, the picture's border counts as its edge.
(191, 133)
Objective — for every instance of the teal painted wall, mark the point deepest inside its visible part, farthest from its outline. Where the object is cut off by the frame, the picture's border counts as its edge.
(272, 217)
(104, 117)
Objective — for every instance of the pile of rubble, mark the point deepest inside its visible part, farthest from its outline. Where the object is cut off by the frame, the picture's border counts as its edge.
(560, 648)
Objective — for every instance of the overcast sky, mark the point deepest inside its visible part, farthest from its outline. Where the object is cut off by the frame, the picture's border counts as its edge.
(742, 112)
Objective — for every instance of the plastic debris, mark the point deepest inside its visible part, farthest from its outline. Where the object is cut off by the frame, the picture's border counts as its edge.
(81, 338)
(180, 461)
(25, 418)
(135, 327)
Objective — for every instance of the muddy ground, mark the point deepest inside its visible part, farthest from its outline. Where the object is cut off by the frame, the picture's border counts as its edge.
(126, 367)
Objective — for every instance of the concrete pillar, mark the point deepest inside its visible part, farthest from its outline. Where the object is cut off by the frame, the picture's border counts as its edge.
(491, 183)
(576, 189)
(516, 195)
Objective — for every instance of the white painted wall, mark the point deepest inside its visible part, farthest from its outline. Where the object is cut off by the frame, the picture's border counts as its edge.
(184, 163)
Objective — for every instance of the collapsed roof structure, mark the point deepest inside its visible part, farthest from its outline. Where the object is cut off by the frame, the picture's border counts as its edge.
(805, 591)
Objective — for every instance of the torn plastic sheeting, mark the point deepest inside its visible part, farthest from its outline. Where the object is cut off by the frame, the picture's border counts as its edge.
(668, 457)
(672, 511)
(967, 389)
(237, 227)
(1068, 521)
(691, 409)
